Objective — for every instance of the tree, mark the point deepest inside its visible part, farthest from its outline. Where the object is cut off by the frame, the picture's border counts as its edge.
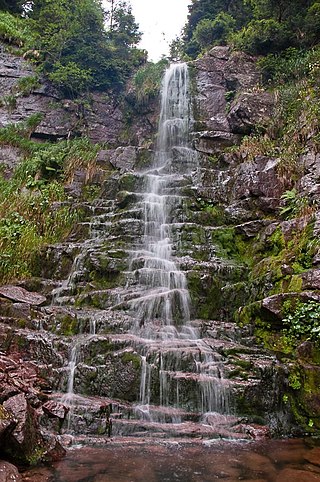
(208, 32)
(124, 31)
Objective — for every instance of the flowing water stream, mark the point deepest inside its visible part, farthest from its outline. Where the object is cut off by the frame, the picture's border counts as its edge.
(162, 308)
(144, 326)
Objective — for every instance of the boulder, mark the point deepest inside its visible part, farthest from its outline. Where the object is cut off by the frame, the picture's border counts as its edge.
(9, 473)
(271, 307)
(55, 409)
(26, 443)
(7, 423)
(250, 109)
(122, 158)
(25, 439)
(311, 279)
(212, 142)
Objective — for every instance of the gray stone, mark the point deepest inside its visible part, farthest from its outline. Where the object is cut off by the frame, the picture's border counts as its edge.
(212, 142)
(311, 280)
(16, 293)
(249, 110)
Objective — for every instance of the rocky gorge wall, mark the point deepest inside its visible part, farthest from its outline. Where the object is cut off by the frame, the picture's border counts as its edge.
(242, 261)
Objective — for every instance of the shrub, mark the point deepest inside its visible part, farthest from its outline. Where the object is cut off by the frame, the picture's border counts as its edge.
(15, 30)
(264, 36)
(304, 321)
(217, 31)
(147, 81)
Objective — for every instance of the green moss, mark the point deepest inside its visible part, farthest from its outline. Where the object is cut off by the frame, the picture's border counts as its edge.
(132, 358)
(68, 326)
(233, 246)
(295, 284)
(248, 314)
(127, 182)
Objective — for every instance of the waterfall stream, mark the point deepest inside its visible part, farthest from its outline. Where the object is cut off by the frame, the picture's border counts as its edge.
(165, 296)
(167, 337)
(182, 379)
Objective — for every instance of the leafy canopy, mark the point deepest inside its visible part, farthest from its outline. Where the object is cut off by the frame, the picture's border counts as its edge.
(75, 48)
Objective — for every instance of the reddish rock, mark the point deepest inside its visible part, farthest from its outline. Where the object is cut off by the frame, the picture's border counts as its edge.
(292, 475)
(9, 473)
(16, 293)
(25, 433)
(26, 443)
(313, 456)
(55, 409)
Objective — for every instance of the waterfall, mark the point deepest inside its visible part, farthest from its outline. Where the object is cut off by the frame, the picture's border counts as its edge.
(167, 339)
(165, 295)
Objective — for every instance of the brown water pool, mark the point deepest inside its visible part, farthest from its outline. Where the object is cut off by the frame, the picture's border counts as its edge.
(266, 461)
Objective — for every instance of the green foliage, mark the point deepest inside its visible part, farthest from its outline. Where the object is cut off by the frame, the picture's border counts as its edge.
(26, 85)
(9, 102)
(27, 222)
(71, 45)
(209, 32)
(14, 29)
(263, 36)
(295, 381)
(295, 204)
(147, 81)
(32, 210)
(304, 321)
(260, 26)
(291, 65)
(71, 78)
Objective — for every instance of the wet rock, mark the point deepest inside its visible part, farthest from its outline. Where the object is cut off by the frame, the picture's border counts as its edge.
(25, 439)
(55, 409)
(17, 293)
(311, 279)
(9, 473)
(313, 456)
(26, 443)
(7, 423)
(39, 474)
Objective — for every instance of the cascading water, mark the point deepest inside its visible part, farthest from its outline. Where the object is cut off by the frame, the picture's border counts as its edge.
(181, 373)
(168, 341)
(165, 296)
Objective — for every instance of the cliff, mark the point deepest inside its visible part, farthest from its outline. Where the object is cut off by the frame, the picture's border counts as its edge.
(248, 266)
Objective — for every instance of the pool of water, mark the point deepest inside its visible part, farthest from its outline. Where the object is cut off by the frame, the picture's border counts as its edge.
(265, 461)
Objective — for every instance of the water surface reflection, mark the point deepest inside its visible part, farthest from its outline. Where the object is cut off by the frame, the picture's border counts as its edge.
(266, 461)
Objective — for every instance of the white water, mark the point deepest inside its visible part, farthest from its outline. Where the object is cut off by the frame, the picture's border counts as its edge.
(165, 295)
(162, 308)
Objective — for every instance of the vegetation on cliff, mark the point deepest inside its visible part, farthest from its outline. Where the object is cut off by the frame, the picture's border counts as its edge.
(76, 44)
(254, 26)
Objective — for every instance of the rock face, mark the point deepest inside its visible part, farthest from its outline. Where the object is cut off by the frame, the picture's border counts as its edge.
(102, 120)
(240, 260)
